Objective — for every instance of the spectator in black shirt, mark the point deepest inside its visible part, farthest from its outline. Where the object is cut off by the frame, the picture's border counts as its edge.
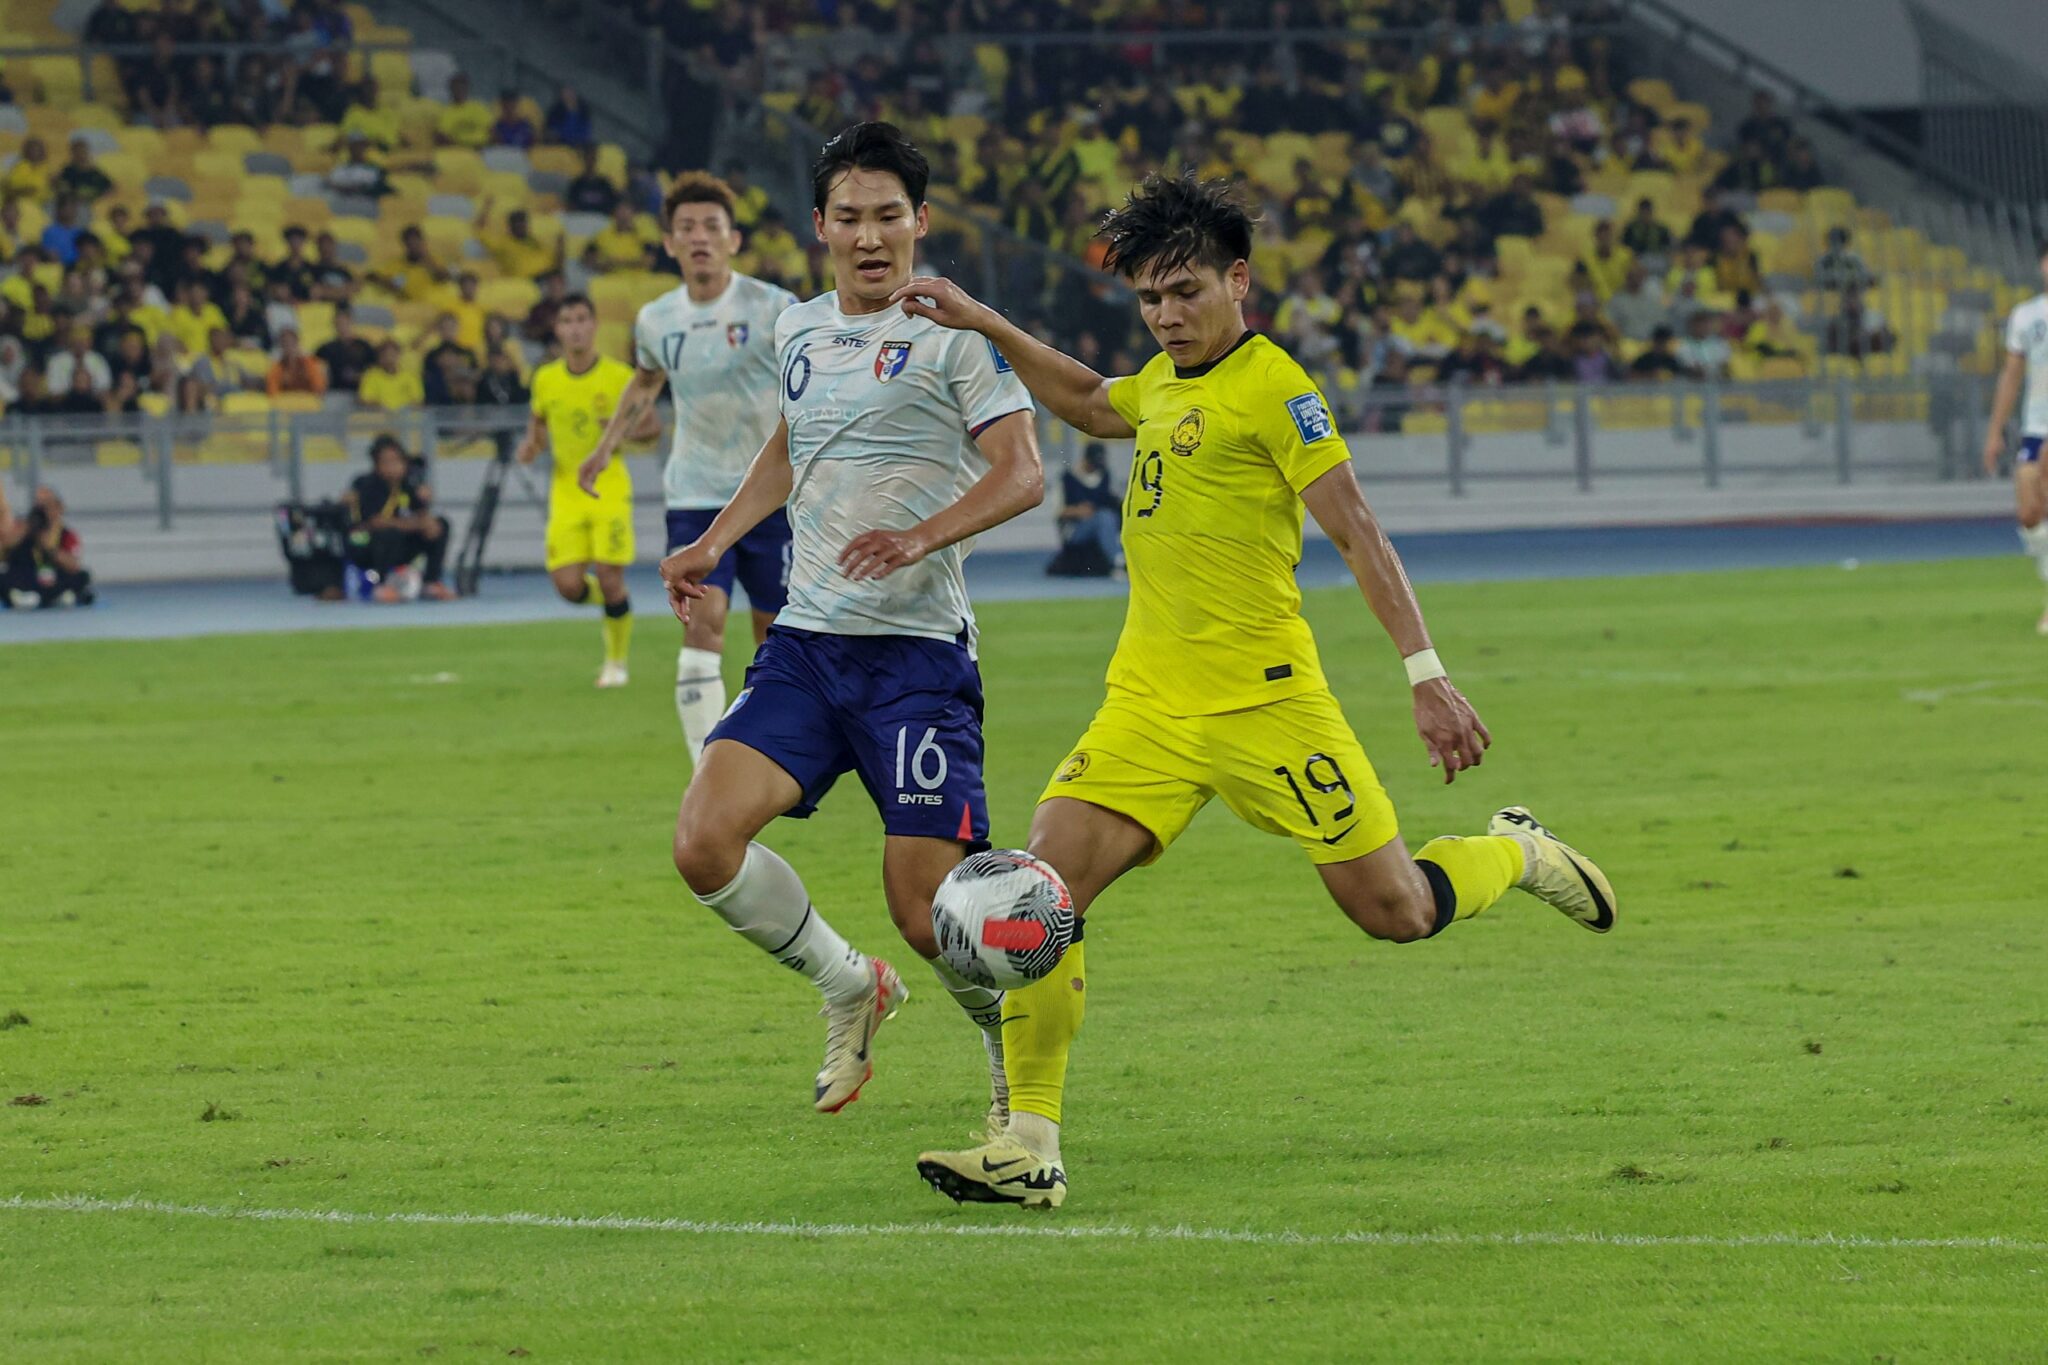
(590, 192)
(1658, 362)
(539, 323)
(1644, 235)
(1088, 519)
(333, 281)
(1751, 171)
(392, 522)
(166, 244)
(447, 354)
(1513, 212)
(81, 178)
(347, 356)
(1802, 171)
(500, 384)
(1766, 127)
(1551, 360)
(293, 267)
(158, 90)
(1713, 217)
(1408, 257)
(1266, 108)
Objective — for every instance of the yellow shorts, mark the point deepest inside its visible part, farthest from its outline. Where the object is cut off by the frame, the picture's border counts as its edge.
(584, 530)
(1290, 767)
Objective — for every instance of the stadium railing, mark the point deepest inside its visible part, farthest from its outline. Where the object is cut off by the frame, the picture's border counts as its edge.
(1785, 432)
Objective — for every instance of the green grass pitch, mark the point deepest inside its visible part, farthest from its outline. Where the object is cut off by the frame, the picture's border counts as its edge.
(384, 923)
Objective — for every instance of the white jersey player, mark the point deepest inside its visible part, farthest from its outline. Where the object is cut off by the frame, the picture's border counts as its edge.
(712, 341)
(898, 442)
(2026, 363)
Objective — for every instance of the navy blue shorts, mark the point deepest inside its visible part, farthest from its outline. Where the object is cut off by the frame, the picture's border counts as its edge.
(2030, 449)
(902, 712)
(760, 561)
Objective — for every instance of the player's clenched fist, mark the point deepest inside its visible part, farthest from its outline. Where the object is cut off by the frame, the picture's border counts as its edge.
(683, 574)
(944, 302)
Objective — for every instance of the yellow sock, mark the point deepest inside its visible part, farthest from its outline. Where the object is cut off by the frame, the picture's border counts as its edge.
(593, 594)
(618, 634)
(1477, 872)
(1039, 1024)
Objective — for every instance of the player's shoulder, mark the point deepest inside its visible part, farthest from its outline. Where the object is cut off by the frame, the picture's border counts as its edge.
(1268, 364)
(807, 315)
(1275, 392)
(548, 372)
(2035, 307)
(761, 295)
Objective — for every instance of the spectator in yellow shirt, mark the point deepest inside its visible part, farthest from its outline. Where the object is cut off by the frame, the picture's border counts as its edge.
(775, 248)
(1421, 333)
(1606, 262)
(29, 177)
(1494, 101)
(378, 127)
(468, 313)
(1491, 165)
(748, 201)
(387, 386)
(516, 251)
(195, 318)
(1679, 147)
(465, 121)
(415, 275)
(623, 243)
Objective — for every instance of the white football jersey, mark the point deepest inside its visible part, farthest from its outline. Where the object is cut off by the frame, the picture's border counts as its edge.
(2026, 334)
(720, 359)
(883, 409)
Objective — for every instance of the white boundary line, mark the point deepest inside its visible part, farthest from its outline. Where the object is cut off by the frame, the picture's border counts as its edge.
(700, 1227)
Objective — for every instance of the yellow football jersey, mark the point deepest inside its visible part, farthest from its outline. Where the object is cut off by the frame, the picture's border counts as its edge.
(1212, 529)
(576, 408)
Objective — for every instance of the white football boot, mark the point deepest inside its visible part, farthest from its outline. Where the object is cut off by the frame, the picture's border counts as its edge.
(850, 1036)
(1555, 872)
(613, 674)
(1000, 1171)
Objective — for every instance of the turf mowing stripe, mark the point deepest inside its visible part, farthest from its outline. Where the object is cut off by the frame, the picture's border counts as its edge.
(1181, 1233)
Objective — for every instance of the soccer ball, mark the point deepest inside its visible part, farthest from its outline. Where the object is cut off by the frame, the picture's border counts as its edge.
(1003, 918)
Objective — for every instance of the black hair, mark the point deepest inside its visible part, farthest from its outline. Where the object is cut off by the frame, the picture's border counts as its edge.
(1171, 222)
(870, 147)
(385, 441)
(569, 301)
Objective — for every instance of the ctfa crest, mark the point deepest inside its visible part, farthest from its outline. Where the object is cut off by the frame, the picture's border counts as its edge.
(891, 359)
(1187, 433)
(735, 334)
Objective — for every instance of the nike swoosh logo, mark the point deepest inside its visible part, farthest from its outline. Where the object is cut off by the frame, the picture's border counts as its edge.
(1603, 913)
(1333, 838)
(992, 1168)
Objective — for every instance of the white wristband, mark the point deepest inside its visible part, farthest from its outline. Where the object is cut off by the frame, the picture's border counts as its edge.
(1423, 666)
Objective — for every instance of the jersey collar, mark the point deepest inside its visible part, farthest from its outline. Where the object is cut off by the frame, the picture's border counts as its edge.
(1197, 371)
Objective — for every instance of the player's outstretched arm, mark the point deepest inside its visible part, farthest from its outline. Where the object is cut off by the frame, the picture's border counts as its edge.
(1014, 484)
(2003, 400)
(1457, 739)
(765, 488)
(1076, 394)
(629, 422)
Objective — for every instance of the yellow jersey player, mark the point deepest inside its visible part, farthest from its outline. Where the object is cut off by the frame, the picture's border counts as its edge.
(590, 536)
(1215, 688)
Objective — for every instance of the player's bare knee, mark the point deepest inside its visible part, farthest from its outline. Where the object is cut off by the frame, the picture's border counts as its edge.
(707, 857)
(914, 922)
(1392, 916)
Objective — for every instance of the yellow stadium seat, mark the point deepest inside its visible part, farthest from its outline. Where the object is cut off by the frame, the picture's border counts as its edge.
(60, 79)
(126, 169)
(153, 404)
(1701, 117)
(611, 163)
(116, 454)
(393, 71)
(102, 116)
(297, 402)
(1648, 90)
(323, 449)
(555, 160)
(1782, 201)
(235, 139)
(513, 298)
(457, 170)
(245, 403)
(509, 188)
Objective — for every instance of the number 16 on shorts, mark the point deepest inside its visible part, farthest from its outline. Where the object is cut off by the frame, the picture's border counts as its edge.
(920, 768)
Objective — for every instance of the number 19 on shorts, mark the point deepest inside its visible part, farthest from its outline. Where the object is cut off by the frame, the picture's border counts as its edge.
(922, 764)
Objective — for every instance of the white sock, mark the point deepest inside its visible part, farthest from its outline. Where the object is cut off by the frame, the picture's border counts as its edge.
(1039, 1133)
(979, 1003)
(700, 694)
(767, 906)
(2035, 539)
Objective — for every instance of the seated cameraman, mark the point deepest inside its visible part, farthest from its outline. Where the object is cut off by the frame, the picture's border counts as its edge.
(42, 557)
(391, 522)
